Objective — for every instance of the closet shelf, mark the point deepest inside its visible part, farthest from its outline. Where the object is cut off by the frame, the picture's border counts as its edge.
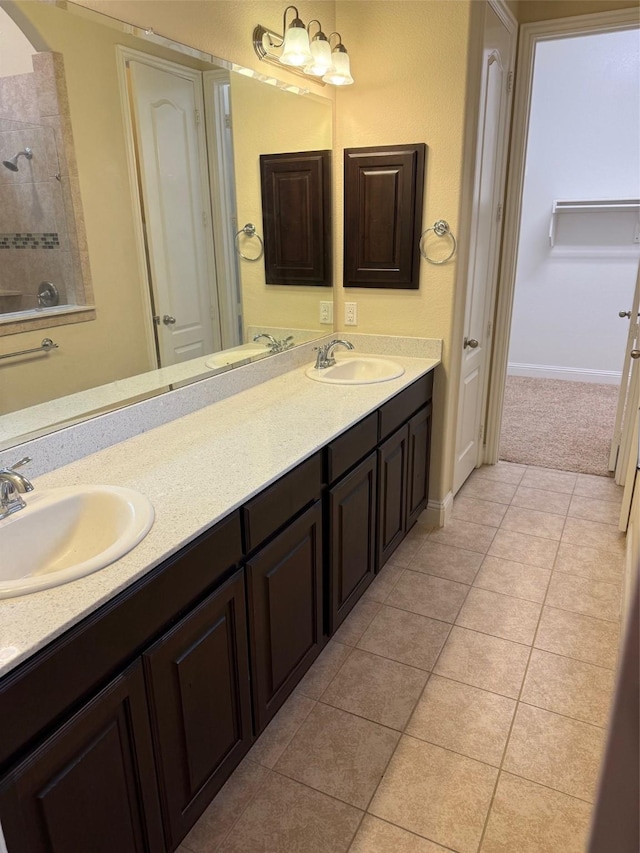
(619, 205)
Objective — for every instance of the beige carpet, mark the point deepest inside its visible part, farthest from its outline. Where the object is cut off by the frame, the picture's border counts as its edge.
(558, 424)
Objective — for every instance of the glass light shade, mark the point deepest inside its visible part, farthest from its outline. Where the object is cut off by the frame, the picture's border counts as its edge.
(340, 72)
(295, 49)
(322, 62)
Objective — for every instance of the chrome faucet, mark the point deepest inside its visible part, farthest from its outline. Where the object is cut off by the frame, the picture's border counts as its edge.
(12, 484)
(274, 344)
(325, 354)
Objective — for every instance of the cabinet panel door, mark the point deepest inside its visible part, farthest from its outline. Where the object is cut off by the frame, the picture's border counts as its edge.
(285, 606)
(352, 526)
(418, 464)
(296, 215)
(91, 785)
(392, 493)
(198, 679)
(383, 190)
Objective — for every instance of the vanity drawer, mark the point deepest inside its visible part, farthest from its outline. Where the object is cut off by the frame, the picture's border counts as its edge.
(274, 507)
(351, 447)
(403, 405)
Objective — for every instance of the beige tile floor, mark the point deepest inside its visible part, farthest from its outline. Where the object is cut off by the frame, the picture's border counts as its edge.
(462, 705)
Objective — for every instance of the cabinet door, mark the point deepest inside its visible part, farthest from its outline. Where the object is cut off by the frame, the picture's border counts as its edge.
(352, 525)
(392, 493)
(418, 464)
(198, 681)
(383, 190)
(284, 580)
(91, 786)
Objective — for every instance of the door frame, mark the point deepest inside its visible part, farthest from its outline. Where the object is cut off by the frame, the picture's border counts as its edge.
(530, 36)
(218, 124)
(509, 22)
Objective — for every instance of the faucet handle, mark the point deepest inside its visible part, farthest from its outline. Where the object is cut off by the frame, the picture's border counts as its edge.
(20, 463)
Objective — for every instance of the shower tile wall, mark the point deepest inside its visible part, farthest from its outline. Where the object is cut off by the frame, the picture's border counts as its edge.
(41, 226)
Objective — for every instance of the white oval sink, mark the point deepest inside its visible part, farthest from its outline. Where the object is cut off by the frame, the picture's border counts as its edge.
(64, 534)
(357, 370)
(233, 356)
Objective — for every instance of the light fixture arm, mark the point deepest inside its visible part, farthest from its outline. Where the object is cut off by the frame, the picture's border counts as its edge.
(296, 22)
(339, 44)
(319, 34)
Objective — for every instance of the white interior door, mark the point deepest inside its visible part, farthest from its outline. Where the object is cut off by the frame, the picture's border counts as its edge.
(167, 105)
(631, 346)
(485, 242)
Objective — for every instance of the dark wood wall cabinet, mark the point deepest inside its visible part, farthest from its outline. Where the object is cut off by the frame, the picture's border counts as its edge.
(383, 196)
(296, 216)
(119, 734)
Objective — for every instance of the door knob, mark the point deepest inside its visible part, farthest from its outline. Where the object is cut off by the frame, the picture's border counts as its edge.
(624, 314)
(472, 343)
(168, 320)
(635, 353)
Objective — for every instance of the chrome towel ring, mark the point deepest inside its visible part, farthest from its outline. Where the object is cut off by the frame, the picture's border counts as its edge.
(440, 228)
(249, 230)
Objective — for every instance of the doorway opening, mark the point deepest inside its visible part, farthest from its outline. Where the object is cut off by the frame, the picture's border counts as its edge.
(576, 253)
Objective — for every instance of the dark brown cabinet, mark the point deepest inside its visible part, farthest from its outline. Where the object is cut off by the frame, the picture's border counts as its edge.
(403, 481)
(296, 214)
(383, 192)
(92, 784)
(352, 526)
(418, 465)
(284, 582)
(392, 493)
(198, 682)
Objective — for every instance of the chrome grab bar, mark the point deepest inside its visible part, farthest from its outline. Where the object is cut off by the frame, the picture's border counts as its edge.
(46, 345)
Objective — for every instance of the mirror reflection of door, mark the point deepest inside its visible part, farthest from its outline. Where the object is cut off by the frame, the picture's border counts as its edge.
(167, 109)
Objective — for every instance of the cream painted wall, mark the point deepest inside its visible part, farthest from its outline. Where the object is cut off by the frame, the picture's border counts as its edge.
(410, 61)
(303, 124)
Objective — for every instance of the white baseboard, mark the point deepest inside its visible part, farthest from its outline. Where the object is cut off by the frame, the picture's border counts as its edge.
(438, 513)
(572, 374)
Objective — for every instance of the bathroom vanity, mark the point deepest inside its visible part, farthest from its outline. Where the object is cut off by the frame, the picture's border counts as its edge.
(119, 731)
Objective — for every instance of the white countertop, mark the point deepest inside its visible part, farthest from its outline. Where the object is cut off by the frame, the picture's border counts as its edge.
(195, 470)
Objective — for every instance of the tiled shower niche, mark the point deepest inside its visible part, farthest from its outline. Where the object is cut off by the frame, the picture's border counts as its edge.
(42, 236)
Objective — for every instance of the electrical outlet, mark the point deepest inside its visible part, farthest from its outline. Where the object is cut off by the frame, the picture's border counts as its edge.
(326, 312)
(350, 314)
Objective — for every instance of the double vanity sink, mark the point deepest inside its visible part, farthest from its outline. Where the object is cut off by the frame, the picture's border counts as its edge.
(63, 534)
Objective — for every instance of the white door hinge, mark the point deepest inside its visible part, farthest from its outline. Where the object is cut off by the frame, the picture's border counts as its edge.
(489, 328)
(205, 221)
(227, 121)
(499, 213)
(197, 116)
(510, 81)
(481, 433)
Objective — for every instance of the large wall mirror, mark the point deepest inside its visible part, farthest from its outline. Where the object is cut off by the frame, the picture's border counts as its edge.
(155, 151)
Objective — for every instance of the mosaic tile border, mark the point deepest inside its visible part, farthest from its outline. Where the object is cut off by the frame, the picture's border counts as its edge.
(30, 240)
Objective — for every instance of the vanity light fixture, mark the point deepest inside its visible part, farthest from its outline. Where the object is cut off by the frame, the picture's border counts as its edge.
(302, 53)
